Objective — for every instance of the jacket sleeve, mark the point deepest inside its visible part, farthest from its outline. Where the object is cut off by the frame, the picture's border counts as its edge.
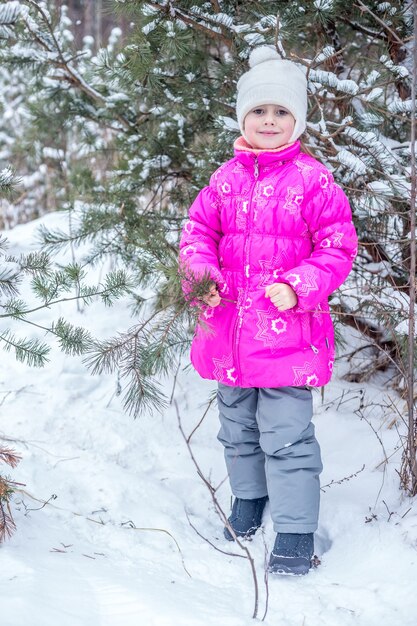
(329, 220)
(200, 239)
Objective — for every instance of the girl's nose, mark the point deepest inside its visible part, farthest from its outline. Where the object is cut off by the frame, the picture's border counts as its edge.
(269, 119)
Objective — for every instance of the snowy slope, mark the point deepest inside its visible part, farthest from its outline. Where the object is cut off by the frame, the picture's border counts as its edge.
(115, 547)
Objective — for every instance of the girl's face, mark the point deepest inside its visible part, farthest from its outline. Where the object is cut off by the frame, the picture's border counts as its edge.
(268, 126)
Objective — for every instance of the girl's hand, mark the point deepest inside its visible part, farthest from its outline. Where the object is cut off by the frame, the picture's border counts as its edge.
(212, 298)
(281, 295)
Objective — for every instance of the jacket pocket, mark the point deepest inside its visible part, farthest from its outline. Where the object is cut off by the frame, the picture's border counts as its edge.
(305, 321)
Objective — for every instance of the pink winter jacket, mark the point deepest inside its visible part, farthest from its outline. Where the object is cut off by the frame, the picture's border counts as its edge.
(266, 217)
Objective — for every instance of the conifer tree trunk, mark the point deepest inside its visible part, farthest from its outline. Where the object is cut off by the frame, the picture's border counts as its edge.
(89, 9)
(98, 21)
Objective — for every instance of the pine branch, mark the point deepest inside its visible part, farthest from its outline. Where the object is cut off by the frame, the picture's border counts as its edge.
(3, 244)
(364, 29)
(182, 16)
(141, 356)
(142, 395)
(30, 351)
(8, 181)
(9, 13)
(380, 21)
(36, 263)
(9, 279)
(72, 75)
(74, 340)
(116, 284)
(14, 308)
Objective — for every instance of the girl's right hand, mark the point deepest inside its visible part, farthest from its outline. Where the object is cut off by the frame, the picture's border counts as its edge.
(212, 298)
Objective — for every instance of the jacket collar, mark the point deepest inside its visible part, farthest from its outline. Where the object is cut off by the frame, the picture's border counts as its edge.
(247, 155)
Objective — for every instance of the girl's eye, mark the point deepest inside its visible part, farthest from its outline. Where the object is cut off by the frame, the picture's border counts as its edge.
(282, 112)
(258, 111)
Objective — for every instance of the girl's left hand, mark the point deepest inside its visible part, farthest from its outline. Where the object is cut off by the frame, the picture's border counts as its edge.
(281, 295)
(212, 298)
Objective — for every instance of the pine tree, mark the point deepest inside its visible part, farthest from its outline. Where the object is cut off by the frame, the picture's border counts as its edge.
(44, 128)
(151, 120)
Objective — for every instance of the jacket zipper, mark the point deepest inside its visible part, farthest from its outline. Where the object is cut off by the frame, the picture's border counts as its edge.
(239, 318)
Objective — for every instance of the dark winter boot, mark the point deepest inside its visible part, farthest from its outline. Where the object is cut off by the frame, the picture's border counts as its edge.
(292, 554)
(246, 517)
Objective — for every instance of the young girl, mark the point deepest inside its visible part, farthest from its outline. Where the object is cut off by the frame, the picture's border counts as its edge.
(275, 234)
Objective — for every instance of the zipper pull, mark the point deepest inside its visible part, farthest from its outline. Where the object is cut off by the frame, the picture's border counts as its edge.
(315, 350)
(256, 171)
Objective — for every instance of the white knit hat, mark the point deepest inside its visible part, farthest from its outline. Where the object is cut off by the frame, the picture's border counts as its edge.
(272, 80)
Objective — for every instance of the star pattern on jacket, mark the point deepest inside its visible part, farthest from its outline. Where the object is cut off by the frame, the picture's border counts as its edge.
(325, 180)
(189, 227)
(189, 250)
(267, 190)
(224, 369)
(309, 283)
(241, 213)
(271, 325)
(294, 199)
(306, 372)
(303, 286)
(305, 168)
(271, 270)
(208, 312)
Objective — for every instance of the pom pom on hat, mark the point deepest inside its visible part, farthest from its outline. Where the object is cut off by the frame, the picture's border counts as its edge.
(272, 80)
(261, 54)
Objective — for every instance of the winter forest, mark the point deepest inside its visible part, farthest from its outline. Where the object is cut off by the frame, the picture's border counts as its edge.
(113, 486)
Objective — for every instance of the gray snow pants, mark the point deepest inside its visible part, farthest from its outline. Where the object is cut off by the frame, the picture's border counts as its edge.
(270, 449)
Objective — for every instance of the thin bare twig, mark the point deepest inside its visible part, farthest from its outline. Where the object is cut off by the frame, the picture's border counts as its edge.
(174, 384)
(241, 556)
(221, 513)
(381, 22)
(342, 480)
(412, 420)
(266, 578)
(201, 420)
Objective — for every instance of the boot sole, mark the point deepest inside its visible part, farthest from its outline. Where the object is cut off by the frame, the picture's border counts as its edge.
(228, 535)
(282, 570)
(293, 567)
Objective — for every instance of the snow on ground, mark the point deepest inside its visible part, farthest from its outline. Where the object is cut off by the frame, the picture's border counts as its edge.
(115, 547)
